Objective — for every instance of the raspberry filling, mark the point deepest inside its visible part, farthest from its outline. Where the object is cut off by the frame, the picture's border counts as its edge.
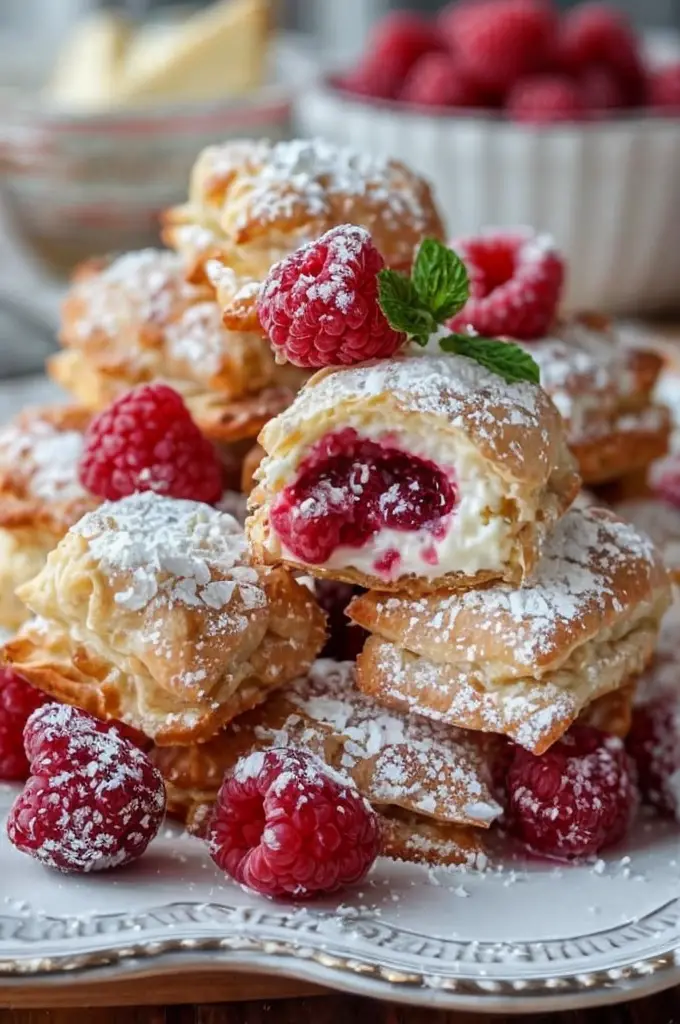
(349, 488)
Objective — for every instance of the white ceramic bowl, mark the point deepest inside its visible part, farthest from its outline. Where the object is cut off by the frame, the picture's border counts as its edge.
(607, 191)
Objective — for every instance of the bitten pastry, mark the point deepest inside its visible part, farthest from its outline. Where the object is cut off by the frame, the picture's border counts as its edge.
(415, 473)
(252, 203)
(604, 391)
(523, 662)
(430, 783)
(40, 495)
(150, 613)
(134, 319)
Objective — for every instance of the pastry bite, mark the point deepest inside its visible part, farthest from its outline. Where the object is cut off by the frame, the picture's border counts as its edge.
(40, 495)
(416, 473)
(429, 783)
(605, 392)
(253, 202)
(150, 612)
(523, 662)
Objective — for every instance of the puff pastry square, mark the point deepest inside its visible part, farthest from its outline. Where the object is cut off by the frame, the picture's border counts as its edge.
(493, 454)
(40, 495)
(149, 611)
(604, 390)
(251, 203)
(429, 782)
(523, 662)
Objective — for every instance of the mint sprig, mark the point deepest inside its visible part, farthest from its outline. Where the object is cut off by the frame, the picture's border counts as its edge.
(437, 289)
(509, 361)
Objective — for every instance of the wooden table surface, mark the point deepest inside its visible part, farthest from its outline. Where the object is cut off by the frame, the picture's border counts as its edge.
(660, 1009)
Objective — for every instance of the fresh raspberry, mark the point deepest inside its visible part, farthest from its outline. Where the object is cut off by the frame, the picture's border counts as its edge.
(397, 42)
(597, 34)
(18, 701)
(499, 41)
(345, 639)
(93, 800)
(664, 89)
(654, 745)
(436, 81)
(545, 99)
(287, 825)
(374, 80)
(600, 90)
(348, 488)
(319, 306)
(515, 284)
(147, 441)
(576, 798)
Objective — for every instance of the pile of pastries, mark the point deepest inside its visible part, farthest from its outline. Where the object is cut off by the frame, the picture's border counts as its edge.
(514, 608)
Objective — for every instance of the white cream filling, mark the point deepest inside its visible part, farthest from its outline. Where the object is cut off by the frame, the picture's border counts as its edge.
(473, 537)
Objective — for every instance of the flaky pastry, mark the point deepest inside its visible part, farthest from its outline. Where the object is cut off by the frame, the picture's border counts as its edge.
(424, 778)
(604, 391)
(151, 613)
(417, 473)
(252, 203)
(40, 495)
(523, 662)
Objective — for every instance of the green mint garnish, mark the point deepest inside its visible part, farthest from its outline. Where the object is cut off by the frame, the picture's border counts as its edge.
(437, 289)
(506, 359)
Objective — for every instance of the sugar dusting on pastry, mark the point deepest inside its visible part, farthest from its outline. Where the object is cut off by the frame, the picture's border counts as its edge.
(172, 550)
(47, 458)
(198, 336)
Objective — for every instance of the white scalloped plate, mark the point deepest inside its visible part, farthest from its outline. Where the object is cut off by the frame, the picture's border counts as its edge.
(519, 937)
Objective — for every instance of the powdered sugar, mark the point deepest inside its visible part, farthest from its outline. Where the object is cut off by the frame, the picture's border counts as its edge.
(199, 337)
(171, 551)
(46, 457)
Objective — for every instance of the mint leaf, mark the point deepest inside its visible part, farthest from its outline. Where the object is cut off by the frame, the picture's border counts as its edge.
(506, 359)
(402, 308)
(440, 279)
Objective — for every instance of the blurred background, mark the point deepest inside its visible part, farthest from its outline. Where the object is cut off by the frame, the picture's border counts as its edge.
(104, 106)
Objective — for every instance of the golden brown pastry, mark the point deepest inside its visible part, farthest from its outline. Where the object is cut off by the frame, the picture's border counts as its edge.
(252, 203)
(249, 468)
(604, 391)
(425, 779)
(522, 662)
(415, 473)
(40, 495)
(150, 612)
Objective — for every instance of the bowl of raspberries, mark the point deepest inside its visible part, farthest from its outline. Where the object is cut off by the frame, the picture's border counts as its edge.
(520, 113)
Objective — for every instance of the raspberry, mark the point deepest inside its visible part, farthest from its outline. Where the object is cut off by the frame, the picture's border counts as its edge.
(595, 33)
(666, 480)
(18, 701)
(664, 89)
(93, 800)
(600, 89)
(500, 41)
(654, 745)
(348, 488)
(287, 825)
(345, 639)
(515, 284)
(576, 798)
(398, 41)
(147, 441)
(435, 81)
(545, 99)
(320, 305)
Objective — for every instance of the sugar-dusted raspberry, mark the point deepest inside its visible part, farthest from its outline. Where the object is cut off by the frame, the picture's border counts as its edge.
(147, 441)
(18, 701)
(319, 306)
(654, 745)
(345, 639)
(436, 81)
(599, 34)
(545, 99)
(664, 90)
(287, 825)
(499, 41)
(348, 488)
(575, 799)
(515, 284)
(93, 800)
